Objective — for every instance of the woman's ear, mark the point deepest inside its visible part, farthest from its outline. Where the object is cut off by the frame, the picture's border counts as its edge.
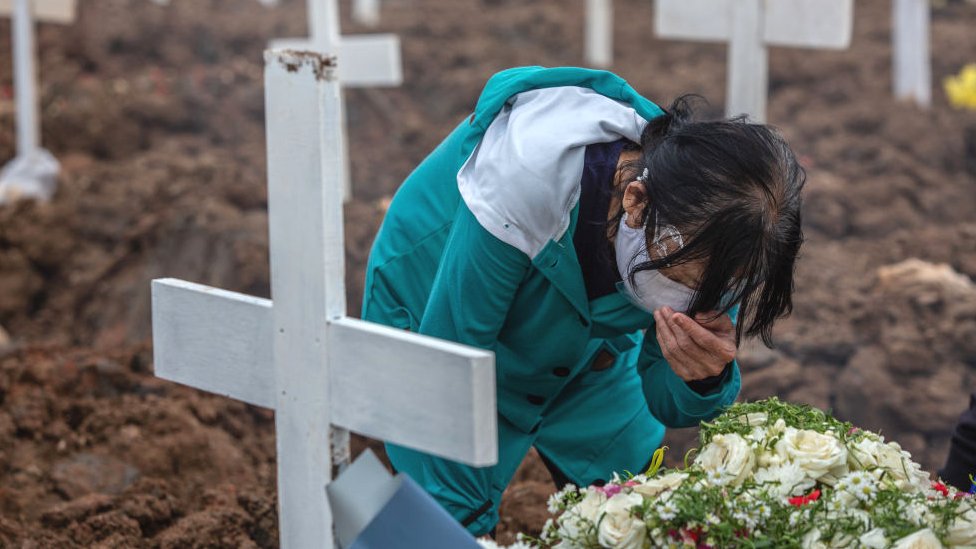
(634, 202)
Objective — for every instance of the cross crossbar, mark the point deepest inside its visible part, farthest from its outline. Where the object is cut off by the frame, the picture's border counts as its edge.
(413, 381)
(749, 26)
(50, 11)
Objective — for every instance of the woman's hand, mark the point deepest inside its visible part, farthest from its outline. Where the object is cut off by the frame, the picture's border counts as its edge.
(695, 348)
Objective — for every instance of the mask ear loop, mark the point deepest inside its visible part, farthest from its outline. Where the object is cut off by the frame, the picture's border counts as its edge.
(662, 233)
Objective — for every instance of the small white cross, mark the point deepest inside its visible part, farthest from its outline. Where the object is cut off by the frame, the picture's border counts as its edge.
(34, 171)
(598, 47)
(366, 12)
(323, 372)
(749, 26)
(369, 60)
(912, 70)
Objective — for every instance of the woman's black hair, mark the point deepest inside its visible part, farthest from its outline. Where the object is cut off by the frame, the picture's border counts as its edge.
(732, 189)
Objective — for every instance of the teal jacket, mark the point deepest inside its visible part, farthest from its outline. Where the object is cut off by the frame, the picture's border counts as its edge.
(434, 270)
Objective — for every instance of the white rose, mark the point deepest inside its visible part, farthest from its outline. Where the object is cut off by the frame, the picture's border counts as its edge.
(875, 539)
(812, 540)
(619, 528)
(730, 456)
(652, 487)
(874, 453)
(753, 419)
(578, 523)
(791, 480)
(962, 531)
(821, 456)
(592, 505)
(923, 539)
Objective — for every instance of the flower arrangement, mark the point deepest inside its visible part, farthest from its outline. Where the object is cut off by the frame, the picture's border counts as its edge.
(961, 89)
(768, 474)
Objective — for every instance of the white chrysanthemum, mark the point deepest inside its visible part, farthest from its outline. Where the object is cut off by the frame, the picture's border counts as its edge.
(923, 539)
(715, 478)
(962, 531)
(860, 484)
(666, 510)
(821, 456)
(654, 486)
(757, 436)
(916, 512)
(745, 518)
(555, 502)
(730, 455)
(487, 543)
(787, 479)
(618, 527)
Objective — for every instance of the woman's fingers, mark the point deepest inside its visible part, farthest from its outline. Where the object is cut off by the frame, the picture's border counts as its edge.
(691, 349)
(694, 351)
(716, 346)
(715, 323)
(669, 346)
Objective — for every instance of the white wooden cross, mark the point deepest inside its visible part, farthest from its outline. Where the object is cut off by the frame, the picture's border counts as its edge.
(368, 60)
(598, 46)
(912, 67)
(749, 26)
(366, 12)
(323, 372)
(34, 171)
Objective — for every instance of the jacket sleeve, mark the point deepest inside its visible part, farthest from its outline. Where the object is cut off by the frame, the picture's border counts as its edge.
(669, 397)
(474, 285)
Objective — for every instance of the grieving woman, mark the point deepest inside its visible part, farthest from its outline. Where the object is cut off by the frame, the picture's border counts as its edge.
(612, 255)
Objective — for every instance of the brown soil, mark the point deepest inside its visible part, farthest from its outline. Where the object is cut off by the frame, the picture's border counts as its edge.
(157, 116)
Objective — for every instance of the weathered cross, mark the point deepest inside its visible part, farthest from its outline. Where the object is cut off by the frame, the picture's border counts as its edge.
(323, 372)
(34, 171)
(749, 26)
(367, 59)
(912, 67)
(598, 43)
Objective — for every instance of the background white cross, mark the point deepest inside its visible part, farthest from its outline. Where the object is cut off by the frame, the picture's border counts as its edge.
(912, 66)
(34, 171)
(598, 33)
(750, 26)
(366, 12)
(322, 372)
(369, 60)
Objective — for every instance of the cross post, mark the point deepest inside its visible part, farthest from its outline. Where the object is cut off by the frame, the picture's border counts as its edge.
(750, 27)
(912, 69)
(323, 373)
(598, 47)
(366, 12)
(34, 171)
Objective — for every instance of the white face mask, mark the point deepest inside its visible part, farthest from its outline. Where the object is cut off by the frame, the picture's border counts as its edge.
(653, 290)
